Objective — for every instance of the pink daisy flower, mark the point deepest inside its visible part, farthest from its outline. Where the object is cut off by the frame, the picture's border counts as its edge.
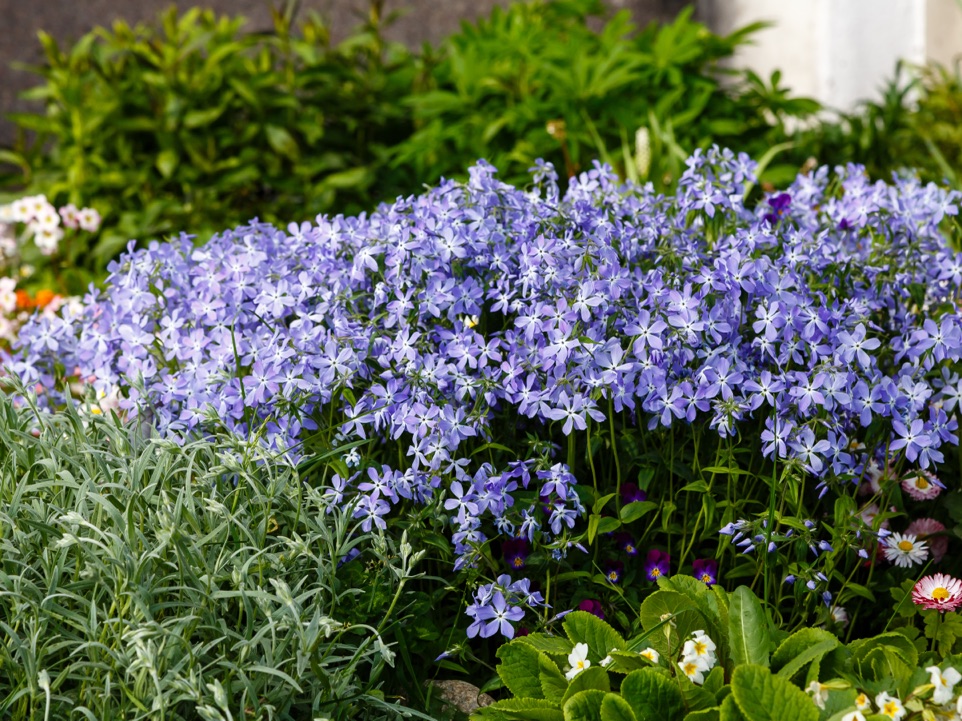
(927, 529)
(938, 592)
(922, 486)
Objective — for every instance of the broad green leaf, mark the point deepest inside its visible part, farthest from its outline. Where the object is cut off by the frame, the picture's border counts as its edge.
(809, 655)
(762, 696)
(633, 511)
(729, 711)
(519, 708)
(795, 644)
(615, 708)
(519, 669)
(706, 714)
(627, 661)
(554, 685)
(593, 677)
(602, 639)
(685, 618)
(585, 706)
(652, 695)
(554, 645)
(748, 634)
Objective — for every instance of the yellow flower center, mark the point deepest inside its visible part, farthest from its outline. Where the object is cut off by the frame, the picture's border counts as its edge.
(890, 709)
(921, 483)
(613, 576)
(691, 669)
(700, 648)
(656, 571)
(940, 594)
(705, 578)
(518, 562)
(906, 546)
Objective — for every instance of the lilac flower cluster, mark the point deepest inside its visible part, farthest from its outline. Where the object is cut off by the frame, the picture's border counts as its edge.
(829, 309)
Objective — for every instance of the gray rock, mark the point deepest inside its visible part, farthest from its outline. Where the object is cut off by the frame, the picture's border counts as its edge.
(465, 697)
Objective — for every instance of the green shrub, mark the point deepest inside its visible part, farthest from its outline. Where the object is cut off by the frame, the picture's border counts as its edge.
(144, 579)
(199, 125)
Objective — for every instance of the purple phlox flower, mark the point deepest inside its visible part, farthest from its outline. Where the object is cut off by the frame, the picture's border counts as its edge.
(572, 411)
(494, 616)
(657, 564)
(807, 391)
(372, 509)
(561, 514)
(593, 607)
(911, 437)
(705, 570)
(808, 450)
(380, 484)
(462, 501)
(854, 345)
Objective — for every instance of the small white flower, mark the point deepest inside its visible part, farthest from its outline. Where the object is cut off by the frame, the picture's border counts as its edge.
(606, 661)
(88, 219)
(863, 702)
(700, 646)
(854, 716)
(578, 660)
(890, 706)
(694, 669)
(651, 654)
(819, 693)
(944, 682)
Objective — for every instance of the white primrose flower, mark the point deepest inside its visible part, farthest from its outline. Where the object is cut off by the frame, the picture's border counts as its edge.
(700, 646)
(694, 669)
(944, 682)
(606, 661)
(890, 706)
(819, 693)
(854, 716)
(863, 702)
(651, 654)
(578, 660)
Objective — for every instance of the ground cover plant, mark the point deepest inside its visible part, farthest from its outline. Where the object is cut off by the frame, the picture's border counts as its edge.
(565, 398)
(140, 578)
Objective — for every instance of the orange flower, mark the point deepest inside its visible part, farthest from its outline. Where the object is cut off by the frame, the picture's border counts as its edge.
(44, 297)
(23, 300)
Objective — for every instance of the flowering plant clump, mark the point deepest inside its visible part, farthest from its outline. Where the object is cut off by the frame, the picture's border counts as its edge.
(33, 233)
(488, 364)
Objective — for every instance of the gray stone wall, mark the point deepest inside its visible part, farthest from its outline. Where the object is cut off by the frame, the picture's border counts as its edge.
(67, 20)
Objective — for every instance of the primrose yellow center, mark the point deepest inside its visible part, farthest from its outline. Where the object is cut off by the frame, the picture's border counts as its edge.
(581, 665)
(940, 594)
(700, 648)
(890, 709)
(905, 546)
(690, 669)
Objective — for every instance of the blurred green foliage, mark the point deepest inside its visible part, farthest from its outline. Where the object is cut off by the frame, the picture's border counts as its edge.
(198, 125)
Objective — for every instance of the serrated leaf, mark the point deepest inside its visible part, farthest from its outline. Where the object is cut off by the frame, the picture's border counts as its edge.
(519, 670)
(593, 677)
(652, 695)
(519, 708)
(626, 661)
(809, 655)
(550, 644)
(748, 634)
(729, 711)
(602, 639)
(762, 696)
(684, 614)
(615, 708)
(585, 706)
(554, 685)
(705, 714)
(795, 644)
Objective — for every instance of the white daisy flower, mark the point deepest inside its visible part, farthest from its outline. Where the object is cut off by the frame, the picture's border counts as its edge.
(578, 660)
(904, 550)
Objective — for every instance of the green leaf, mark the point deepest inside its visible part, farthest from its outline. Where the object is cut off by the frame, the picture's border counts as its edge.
(633, 511)
(705, 714)
(797, 643)
(602, 639)
(685, 618)
(762, 696)
(593, 677)
(615, 708)
(652, 695)
(519, 669)
(554, 645)
(282, 141)
(747, 629)
(554, 685)
(585, 706)
(199, 118)
(729, 711)
(167, 162)
(626, 661)
(519, 708)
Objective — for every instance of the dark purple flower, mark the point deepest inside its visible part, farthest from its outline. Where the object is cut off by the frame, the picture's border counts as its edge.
(630, 493)
(626, 543)
(515, 552)
(779, 204)
(657, 564)
(592, 606)
(706, 570)
(614, 570)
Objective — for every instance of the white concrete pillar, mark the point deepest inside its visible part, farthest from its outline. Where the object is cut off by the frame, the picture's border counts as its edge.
(841, 51)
